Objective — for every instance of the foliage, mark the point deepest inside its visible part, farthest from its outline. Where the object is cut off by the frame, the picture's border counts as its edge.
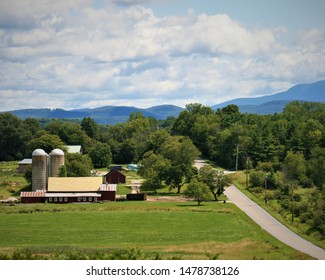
(153, 169)
(28, 174)
(47, 142)
(181, 152)
(78, 165)
(101, 155)
(90, 127)
(14, 137)
(214, 179)
(63, 171)
(198, 191)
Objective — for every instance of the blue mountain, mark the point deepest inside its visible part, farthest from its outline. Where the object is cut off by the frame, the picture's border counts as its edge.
(275, 103)
(102, 115)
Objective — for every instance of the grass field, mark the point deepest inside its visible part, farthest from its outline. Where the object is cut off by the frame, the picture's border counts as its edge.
(164, 230)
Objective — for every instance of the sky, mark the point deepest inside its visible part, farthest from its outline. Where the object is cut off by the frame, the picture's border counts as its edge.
(90, 53)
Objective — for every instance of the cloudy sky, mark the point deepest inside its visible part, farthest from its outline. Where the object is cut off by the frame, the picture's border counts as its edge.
(91, 53)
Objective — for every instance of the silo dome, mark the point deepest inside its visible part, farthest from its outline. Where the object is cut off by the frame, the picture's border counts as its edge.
(57, 152)
(39, 152)
(56, 162)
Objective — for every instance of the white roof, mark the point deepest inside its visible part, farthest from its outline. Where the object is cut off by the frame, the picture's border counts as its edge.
(74, 149)
(39, 152)
(26, 161)
(57, 152)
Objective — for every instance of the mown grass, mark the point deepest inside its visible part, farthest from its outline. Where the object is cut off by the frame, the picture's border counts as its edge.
(164, 230)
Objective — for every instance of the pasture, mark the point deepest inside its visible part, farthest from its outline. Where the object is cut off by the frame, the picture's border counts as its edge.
(135, 230)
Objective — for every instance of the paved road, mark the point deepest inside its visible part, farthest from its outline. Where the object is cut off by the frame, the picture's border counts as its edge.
(271, 225)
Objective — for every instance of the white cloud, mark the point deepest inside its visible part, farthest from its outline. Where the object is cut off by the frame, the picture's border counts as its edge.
(127, 55)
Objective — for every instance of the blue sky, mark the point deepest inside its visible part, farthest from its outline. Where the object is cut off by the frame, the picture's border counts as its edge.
(78, 54)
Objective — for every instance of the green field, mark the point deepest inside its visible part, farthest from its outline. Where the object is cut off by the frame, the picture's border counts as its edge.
(164, 230)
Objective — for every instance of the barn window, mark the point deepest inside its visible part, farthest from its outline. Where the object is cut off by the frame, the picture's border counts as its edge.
(50, 199)
(60, 199)
(85, 199)
(79, 199)
(90, 199)
(65, 199)
(55, 199)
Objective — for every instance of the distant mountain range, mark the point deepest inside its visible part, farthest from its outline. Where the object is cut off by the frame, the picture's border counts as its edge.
(102, 115)
(269, 104)
(275, 103)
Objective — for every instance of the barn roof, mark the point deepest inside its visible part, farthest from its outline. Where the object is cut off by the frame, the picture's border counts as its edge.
(74, 184)
(26, 161)
(114, 171)
(74, 149)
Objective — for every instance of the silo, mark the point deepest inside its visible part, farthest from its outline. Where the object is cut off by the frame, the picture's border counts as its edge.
(56, 161)
(39, 169)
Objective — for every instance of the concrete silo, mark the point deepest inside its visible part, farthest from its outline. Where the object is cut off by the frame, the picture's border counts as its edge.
(56, 161)
(39, 170)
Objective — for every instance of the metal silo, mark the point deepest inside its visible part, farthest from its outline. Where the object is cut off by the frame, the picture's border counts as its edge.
(39, 170)
(56, 161)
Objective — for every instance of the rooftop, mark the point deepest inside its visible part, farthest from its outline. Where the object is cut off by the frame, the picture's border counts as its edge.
(74, 184)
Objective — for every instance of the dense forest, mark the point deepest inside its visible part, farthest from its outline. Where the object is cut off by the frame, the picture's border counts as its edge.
(284, 151)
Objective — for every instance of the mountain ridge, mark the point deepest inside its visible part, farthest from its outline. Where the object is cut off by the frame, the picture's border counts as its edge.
(269, 104)
(314, 92)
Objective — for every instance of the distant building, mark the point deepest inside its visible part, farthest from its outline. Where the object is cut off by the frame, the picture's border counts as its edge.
(22, 165)
(116, 167)
(74, 149)
(115, 177)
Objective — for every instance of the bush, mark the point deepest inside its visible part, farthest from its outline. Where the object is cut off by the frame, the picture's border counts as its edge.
(257, 179)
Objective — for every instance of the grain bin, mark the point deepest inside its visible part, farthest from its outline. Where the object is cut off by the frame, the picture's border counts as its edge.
(39, 170)
(56, 161)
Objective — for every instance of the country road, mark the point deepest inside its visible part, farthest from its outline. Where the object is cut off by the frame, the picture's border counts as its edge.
(268, 222)
(271, 225)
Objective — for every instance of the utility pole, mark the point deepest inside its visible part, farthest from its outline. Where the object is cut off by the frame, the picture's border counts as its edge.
(265, 188)
(236, 157)
(292, 197)
(247, 168)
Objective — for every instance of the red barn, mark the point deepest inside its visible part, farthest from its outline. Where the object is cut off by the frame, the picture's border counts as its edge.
(115, 177)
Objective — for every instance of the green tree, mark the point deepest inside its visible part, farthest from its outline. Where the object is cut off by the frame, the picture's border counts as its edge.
(153, 168)
(181, 152)
(63, 171)
(101, 155)
(316, 167)
(28, 174)
(216, 180)
(90, 127)
(47, 142)
(78, 165)
(295, 167)
(14, 137)
(198, 191)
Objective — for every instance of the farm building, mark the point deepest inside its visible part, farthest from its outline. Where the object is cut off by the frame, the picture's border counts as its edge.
(115, 177)
(74, 149)
(48, 187)
(22, 165)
